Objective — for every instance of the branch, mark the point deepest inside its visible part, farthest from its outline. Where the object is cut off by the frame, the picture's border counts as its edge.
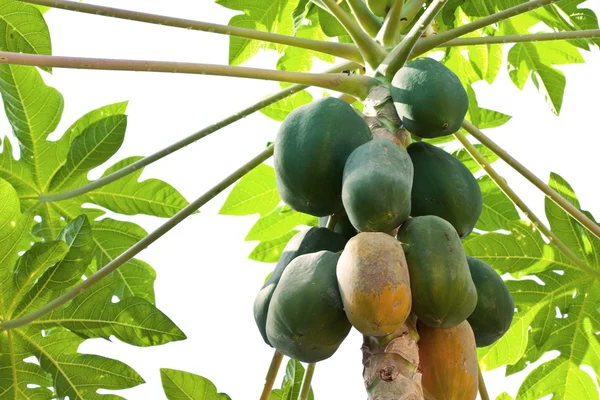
(342, 50)
(139, 246)
(271, 375)
(401, 53)
(371, 51)
(483, 393)
(532, 37)
(308, 375)
(365, 17)
(391, 26)
(357, 85)
(520, 168)
(436, 41)
(554, 240)
(45, 198)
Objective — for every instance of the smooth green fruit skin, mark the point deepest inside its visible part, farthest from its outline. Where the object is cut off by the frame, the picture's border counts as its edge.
(495, 307)
(308, 241)
(444, 187)
(306, 319)
(429, 98)
(376, 187)
(380, 7)
(443, 292)
(343, 226)
(311, 148)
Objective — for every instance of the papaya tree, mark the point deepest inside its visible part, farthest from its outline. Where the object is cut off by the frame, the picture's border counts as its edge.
(379, 203)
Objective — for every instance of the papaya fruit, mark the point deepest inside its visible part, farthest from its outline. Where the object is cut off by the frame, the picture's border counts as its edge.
(306, 319)
(495, 307)
(429, 98)
(343, 226)
(376, 186)
(380, 7)
(374, 283)
(311, 148)
(443, 186)
(443, 292)
(304, 242)
(448, 360)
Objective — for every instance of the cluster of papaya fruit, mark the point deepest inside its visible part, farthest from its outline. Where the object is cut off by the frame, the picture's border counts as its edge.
(396, 254)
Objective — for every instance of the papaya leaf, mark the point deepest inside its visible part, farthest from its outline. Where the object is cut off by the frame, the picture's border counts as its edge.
(498, 211)
(466, 159)
(23, 28)
(281, 109)
(180, 385)
(263, 15)
(292, 383)
(279, 222)
(504, 396)
(269, 251)
(255, 193)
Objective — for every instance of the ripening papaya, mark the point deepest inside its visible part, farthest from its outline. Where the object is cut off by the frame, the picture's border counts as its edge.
(311, 148)
(445, 187)
(495, 308)
(429, 98)
(376, 186)
(448, 360)
(374, 283)
(443, 293)
(304, 242)
(306, 319)
(380, 7)
(343, 226)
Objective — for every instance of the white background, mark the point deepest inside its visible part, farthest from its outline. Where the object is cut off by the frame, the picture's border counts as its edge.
(205, 282)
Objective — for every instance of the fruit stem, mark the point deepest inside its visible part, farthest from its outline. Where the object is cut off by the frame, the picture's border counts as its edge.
(554, 240)
(357, 85)
(368, 21)
(308, 375)
(371, 51)
(332, 221)
(140, 245)
(342, 50)
(520, 168)
(483, 393)
(437, 40)
(401, 53)
(531, 37)
(391, 25)
(46, 198)
(271, 375)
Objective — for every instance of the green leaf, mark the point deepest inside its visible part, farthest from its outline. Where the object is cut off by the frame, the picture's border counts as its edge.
(94, 146)
(281, 109)
(504, 396)
(129, 196)
(91, 117)
(466, 159)
(23, 29)
(180, 385)
(132, 320)
(269, 251)
(262, 15)
(255, 193)
(279, 222)
(498, 211)
(292, 383)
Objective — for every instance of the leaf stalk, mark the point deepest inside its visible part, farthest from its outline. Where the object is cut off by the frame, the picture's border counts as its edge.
(308, 375)
(368, 21)
(483, 393)
(554, 240)
(271, 375)
(531, 177)
(357, 85)
(526, 38)
(139, 246)
(342, 50)
(391, 26)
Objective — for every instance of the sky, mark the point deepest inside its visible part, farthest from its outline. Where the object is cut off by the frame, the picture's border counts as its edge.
(205, 282)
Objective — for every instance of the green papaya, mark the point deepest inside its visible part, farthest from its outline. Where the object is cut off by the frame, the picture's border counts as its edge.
(443, 186)
(443, 292)
(374, 283)
(380, 7)
(307, 241)
(306, 319)
(343, 226)
(429, 98)
(376, 186)
(311, 148)
(495, 308)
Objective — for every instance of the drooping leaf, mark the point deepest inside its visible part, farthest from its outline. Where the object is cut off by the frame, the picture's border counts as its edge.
(279, 222)
(180, 385)
(270, 250)
(469, 162)
(255, 193)
(498, 211)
